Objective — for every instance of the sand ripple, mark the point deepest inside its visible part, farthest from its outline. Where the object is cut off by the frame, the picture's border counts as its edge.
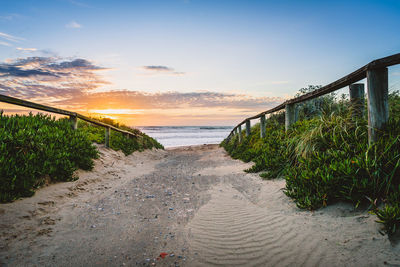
(232, 231)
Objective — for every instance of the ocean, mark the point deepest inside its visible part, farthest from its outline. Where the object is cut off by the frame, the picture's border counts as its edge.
(173, 136)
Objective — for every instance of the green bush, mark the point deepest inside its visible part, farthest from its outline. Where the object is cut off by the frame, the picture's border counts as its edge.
(39, 149)
(119, 141)
(36, 149)
(325, 158)
(268, 154)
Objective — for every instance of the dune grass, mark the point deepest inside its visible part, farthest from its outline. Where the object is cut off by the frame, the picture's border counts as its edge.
(39, 149)
(325, 157)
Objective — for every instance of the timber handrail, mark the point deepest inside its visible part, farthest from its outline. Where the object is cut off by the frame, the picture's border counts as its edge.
(72, 115)
(347, 80)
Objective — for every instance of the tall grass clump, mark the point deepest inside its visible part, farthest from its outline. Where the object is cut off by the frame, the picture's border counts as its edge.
(325, 157)
(36, 149)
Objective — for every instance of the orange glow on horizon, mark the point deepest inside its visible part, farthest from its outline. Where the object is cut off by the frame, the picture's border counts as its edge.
(156, 116)
(116, 111)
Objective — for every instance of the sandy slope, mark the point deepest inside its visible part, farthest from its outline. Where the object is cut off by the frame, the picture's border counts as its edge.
(194, 203)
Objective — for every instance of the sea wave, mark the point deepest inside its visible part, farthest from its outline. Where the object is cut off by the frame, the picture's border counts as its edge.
(171, 136)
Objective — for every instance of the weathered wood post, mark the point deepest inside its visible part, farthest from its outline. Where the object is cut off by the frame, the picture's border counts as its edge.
(74, 122)
(357, 99)
(290, 115)
(240, 133)
(378, 108)
(248, 128)
(262, 126)
(107, 136)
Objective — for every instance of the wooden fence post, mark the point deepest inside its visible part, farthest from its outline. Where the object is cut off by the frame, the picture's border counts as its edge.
(262, 126)
(248, 128)
(240, 133)
(378, 108)
(107, 136)
(290, 115)
(74, 122)
(356, 91)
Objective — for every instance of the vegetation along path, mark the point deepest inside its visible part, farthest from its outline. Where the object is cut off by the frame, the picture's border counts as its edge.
(189, 206)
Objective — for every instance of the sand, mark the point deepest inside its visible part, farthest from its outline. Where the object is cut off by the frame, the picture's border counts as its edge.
(194, 203)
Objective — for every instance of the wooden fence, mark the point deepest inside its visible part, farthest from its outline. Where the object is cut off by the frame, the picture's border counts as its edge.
(72, 115)
(376, 73)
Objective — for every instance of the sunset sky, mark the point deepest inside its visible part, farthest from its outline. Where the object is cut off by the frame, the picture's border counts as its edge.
(186, 62)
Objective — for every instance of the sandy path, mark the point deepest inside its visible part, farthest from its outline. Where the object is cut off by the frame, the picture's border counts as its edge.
(194, 203)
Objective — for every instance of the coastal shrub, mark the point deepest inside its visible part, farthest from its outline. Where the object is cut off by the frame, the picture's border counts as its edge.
(266, 152)
(325, 158)
(36, 149)
(119, 141)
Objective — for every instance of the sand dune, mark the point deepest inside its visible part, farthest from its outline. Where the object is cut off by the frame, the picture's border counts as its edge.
(194, 203)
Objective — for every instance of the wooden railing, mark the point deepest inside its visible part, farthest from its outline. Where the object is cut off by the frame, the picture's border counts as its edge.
(376, 73)
(72, 115)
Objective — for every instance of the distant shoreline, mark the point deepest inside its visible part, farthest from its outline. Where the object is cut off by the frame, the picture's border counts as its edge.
(178, 136)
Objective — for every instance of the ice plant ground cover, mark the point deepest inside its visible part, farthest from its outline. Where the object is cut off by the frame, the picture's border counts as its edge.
(325, 157)
(39, 149)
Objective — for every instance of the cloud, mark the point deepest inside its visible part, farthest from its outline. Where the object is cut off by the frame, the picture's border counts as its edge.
(75, 64)
(48, 53)
(5, 43)
(71, 84)
(14, 71)
(10, 38)
(48, 79)
(73, 25)
(26, 49)
(134, 100)
(155, 69)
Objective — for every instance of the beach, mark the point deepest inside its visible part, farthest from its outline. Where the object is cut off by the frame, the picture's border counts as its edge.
(174, 136)
(193, 203)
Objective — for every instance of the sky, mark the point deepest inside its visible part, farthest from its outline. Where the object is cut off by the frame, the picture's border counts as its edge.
(186, 62)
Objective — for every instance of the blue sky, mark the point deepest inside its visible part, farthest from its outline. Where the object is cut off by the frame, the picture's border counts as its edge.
(253, 50)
